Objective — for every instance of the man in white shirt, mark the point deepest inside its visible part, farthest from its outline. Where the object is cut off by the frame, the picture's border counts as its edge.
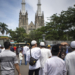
(55, 65)
(35, 53)
(45, 54)
(25, 49)
(70, 60)
(8, 60)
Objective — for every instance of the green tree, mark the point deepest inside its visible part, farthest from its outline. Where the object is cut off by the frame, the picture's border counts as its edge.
(18, 35)
(4, 28)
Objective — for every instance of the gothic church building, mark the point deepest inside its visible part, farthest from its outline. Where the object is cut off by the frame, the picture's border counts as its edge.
(23, 18)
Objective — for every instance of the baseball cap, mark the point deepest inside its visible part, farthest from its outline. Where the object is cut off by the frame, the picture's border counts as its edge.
(48, 46)
(33, 42)
(42, 44)
(73, 44)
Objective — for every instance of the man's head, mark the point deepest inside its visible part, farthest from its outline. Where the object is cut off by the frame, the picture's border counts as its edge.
(59, 46)
(49, 46)
(55, 50)
(42, 44)
(73, 45)
(34, 43)
(7, 45)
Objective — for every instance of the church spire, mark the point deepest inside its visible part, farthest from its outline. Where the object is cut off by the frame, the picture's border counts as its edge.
(39, 8)
(23, 7)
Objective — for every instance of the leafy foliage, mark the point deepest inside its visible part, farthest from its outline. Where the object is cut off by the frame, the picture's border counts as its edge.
(59, 27)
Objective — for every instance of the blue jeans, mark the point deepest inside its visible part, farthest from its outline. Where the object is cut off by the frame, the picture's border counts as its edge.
(25, 59)
(20, 62)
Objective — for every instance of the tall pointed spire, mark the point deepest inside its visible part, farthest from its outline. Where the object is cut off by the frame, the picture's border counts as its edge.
(39, 8)
(23, 7)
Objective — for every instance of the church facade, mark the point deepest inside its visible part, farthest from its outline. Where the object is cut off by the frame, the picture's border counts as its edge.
(23, 18)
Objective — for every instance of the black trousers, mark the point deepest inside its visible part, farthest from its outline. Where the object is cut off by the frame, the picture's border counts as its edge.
(36, 71)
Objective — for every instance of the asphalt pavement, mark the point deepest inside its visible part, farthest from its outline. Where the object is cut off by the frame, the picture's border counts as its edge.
(23, 68)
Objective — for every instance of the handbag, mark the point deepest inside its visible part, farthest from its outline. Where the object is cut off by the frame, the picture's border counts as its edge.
(32, 60)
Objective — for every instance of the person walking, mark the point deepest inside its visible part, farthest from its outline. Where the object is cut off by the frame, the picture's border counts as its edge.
(25, 49)
(11, 48)
(70, 60)
(55, 65)
(45, 54)
(49, 47)
(7, 61)
(36, 54)
(20, 57)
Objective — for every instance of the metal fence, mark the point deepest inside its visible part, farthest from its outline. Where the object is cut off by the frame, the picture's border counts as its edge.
(55, 42)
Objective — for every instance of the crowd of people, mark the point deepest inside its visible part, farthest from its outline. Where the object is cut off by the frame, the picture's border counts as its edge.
(42, 60)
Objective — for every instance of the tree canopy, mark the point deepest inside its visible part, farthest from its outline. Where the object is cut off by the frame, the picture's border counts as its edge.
(60, 26)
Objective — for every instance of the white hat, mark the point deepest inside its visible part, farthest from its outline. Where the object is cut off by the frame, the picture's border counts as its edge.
(42, 44)
(33, 42)
(73, 44)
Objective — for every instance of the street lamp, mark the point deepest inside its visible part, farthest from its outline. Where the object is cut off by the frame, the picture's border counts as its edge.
(43, 35)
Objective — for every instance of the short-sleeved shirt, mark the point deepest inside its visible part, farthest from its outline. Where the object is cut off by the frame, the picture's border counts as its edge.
(35, 53)
(20, 56)
(25, 49)
(55, 66)
(45, 54)
(7, 60)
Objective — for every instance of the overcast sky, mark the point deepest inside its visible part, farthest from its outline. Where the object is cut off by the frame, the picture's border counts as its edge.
(9, 10)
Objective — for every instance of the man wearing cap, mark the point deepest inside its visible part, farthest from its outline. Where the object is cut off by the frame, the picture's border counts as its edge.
(35, 53)
(48, 46)
(55, 65)
(25, 49)
(45, 54)
(70, 60)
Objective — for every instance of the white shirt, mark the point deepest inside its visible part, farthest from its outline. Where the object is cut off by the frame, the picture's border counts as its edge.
(55, 66)
(36, 53)
(45, 54)
(20, 56)
(3, 49)
(25, 49)
(70, 63)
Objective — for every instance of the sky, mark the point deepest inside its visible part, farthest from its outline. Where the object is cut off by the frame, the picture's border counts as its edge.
(9, 10)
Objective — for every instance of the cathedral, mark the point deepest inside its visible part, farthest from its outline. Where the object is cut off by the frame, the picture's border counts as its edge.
(23, 18)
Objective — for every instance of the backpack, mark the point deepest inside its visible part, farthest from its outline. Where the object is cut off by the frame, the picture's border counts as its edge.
(32, 60)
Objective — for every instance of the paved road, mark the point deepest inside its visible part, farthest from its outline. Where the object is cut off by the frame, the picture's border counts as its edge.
(23, 69)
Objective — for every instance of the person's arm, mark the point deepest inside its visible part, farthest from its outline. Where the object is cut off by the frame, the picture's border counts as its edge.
(16, 64)
(46, 68)
(49, 54)
(64, 70)
(18, 69)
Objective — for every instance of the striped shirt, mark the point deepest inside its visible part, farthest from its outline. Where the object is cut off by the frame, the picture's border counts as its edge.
(7, 60)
